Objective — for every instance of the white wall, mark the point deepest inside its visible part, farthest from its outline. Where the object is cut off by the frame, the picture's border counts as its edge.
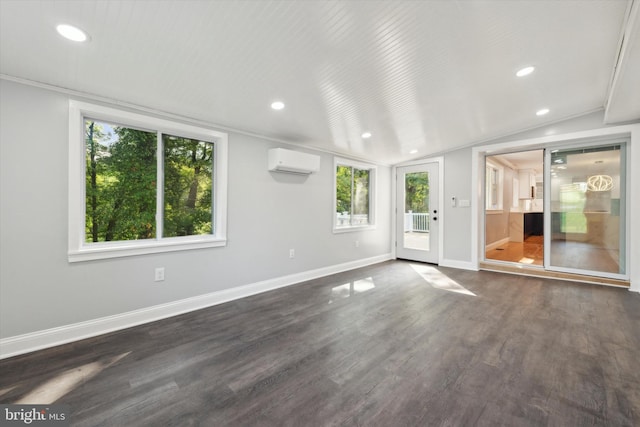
(267, 215)
(457, 220)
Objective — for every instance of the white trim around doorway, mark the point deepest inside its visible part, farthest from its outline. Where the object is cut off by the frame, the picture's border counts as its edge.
(631, 132)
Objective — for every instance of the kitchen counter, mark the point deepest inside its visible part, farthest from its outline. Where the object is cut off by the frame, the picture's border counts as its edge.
(525, 224)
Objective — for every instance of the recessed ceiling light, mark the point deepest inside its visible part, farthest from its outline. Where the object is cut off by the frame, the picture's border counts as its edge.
(277, 105)
(72, 33)
(366, 135)
(525, 71)
(542, 112)
(413, 151)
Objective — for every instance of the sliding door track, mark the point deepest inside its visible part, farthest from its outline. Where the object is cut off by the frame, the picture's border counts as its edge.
(526, 270)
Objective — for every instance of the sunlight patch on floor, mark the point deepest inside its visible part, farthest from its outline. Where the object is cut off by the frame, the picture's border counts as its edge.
(351, 288)
(52, 390)
(438, 280)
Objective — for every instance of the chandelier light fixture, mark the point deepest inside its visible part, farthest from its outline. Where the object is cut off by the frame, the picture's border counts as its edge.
(599, 183)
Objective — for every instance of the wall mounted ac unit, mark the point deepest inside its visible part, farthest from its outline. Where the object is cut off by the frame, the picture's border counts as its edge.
(289, 161)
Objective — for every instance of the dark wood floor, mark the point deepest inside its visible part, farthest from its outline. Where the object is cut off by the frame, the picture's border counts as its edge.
(393, 344)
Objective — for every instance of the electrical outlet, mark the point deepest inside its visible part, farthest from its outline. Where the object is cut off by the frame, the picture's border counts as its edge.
(357, 244)
(159, 274)
(292, 253)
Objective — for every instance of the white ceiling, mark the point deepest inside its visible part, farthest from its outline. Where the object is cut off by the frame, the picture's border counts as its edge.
(427, 76)
(532, 159)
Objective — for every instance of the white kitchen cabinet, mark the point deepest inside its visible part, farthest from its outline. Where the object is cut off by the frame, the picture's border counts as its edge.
(527, 182)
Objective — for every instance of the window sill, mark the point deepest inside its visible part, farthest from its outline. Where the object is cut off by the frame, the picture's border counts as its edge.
(353, 228)
(97, 251)
(494, 211)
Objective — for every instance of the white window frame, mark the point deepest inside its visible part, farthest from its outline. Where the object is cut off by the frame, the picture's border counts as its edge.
(496, 207)
(338, 161)
(79, 249)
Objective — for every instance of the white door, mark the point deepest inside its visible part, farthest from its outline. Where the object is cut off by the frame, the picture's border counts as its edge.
(417, 213)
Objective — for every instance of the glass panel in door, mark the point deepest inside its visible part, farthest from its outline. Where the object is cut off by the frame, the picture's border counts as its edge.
(416, 211)
(587, 210)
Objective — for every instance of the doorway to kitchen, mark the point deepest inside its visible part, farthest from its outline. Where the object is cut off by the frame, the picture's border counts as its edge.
(584, 189)
(561, 209)
(514, 208)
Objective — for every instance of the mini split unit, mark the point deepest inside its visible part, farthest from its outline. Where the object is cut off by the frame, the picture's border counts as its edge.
(289, 161)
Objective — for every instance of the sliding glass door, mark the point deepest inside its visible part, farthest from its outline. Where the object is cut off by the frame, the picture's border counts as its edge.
(586, 208)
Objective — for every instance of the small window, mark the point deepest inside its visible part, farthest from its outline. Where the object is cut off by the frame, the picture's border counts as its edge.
(141, 185)
(354, 195)
(493, 186)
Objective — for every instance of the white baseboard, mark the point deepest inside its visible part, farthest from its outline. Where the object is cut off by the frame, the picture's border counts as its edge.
(497, 244)
(463, 265)
(33, 341)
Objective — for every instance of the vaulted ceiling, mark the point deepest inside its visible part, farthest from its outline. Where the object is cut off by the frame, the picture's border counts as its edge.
(421, 77)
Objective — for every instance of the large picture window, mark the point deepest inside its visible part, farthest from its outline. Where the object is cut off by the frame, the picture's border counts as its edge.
(354, 195)
(148, 185)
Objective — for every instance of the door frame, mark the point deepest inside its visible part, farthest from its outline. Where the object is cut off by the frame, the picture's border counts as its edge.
(629, 132)
(441, 207)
